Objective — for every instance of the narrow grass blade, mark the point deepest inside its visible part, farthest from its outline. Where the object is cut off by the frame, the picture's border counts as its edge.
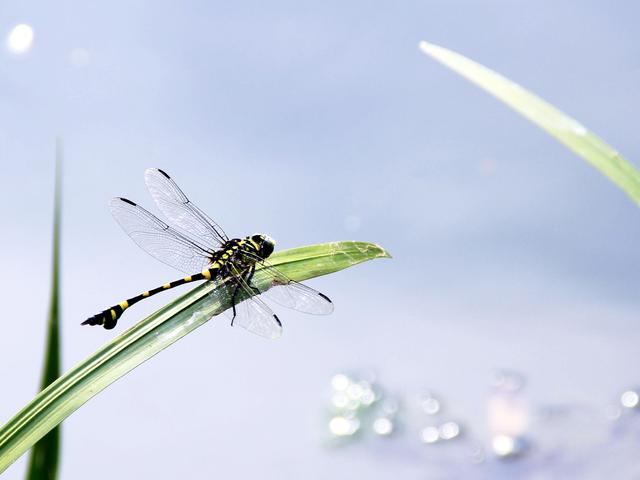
(153, 334)
(43, 464)
(561, 126)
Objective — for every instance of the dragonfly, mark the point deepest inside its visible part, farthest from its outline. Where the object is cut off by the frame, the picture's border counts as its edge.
(197, 246)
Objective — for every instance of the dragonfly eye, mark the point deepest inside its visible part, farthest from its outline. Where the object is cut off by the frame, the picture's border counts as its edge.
(265, 243)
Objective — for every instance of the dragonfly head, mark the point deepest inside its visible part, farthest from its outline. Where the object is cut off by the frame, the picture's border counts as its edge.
(265, 244)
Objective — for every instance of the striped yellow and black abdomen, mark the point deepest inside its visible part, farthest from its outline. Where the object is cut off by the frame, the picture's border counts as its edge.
(109, 318)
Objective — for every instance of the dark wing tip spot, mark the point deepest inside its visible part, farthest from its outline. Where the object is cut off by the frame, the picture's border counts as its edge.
(163, 173)
(325, 297)
(126, 200)
(277, 319)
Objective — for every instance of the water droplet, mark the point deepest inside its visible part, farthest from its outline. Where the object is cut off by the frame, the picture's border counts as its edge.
(430, 434)
(449, 430)
(383, 426)
(630, 399)
(341, 426)
(430, 405)
(503, 445)
(340, 382)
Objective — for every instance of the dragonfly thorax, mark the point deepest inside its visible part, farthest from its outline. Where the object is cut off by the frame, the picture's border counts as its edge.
(263, 243)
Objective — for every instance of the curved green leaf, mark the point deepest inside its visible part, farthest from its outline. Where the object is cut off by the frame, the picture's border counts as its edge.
(565, 129)
(153, 334)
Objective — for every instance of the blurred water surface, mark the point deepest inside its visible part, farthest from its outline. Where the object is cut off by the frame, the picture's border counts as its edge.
(316, 123)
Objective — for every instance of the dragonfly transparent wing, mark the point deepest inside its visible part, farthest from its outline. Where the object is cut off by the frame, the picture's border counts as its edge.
(179, 210)
(291, 294)
(252, 313)
(158, 239)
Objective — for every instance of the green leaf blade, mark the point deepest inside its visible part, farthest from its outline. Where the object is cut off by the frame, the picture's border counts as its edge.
(312, 261)
(43, 464)
(151, 335)
(561, 126)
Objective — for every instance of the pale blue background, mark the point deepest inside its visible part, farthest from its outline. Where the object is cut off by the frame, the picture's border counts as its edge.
(316, 122)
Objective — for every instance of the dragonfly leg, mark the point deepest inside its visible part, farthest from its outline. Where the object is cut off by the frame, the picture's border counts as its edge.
(250, 277)
(233, 301)
(234, 297)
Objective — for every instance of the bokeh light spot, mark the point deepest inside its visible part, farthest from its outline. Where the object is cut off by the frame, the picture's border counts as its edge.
(20, 38)
(340, 382)
(383, 426)
(449, 430)
(430, 434)
(630, 399)
(341, 426)
(503, 445)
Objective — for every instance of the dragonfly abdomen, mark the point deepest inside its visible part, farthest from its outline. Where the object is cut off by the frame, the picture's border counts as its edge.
(109, 318)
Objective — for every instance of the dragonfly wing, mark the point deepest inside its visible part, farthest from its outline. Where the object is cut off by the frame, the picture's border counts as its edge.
(291, 294)
(158, 239)
(252, 313)
(180, 211)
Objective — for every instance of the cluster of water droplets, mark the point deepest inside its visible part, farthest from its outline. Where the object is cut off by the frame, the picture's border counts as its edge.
(421, 427)
(360, 407)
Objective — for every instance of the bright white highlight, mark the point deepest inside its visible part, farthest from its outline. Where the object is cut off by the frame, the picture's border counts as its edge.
(430, 435)
(630, 399)
(449, 430)
(383, 426)
(503, 445)
(340, 382)
(342, 427)
(20, 39)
